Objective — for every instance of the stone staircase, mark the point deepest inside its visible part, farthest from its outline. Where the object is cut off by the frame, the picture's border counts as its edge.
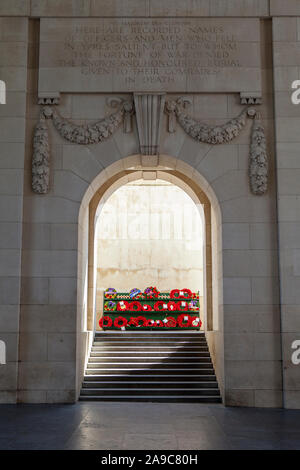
(150, 366)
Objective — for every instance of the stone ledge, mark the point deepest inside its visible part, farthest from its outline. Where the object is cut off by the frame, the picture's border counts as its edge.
(147, 8)
(284, 8)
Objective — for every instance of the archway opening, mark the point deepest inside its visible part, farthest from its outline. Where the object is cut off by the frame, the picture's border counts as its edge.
(149, 232)
(102, 187)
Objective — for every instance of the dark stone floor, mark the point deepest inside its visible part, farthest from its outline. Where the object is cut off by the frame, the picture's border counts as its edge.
(132, 426)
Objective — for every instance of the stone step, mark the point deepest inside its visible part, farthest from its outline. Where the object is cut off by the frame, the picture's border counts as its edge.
(139, 377)
(151, 338)
(151, 359)
(147, 370)
(157, 399)
(150, 391)
(153, 353)
(154, 347)
(151, 334)
(95, 384)
(152, 366)
(149, 343)
(160, 339)
(148, 364)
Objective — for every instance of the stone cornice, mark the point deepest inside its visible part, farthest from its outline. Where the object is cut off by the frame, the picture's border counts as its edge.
(150, 8)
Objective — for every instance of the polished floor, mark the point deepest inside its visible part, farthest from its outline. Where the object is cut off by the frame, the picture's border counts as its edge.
(145, 426)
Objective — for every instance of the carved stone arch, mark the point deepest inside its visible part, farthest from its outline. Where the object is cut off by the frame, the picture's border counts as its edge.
(180, 180)
(189, 179)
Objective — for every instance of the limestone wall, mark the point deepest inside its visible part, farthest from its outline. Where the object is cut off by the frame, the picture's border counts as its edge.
(286, 56)
(44, 238)
(14, 38)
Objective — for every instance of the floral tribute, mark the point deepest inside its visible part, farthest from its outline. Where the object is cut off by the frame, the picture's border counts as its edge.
(147, 308)
(183, 321)
(172, 305)
(123, 305)
(151, 292)
(110, 306)
(110, 293)
(105, 322)
(135, 306)
(135, 294)
(160, 305)
(181, 294)
(150, 309)
(193, 305)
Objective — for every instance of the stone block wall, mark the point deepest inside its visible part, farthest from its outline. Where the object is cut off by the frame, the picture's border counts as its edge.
(13, 70)
(286, 56)
(41, 308)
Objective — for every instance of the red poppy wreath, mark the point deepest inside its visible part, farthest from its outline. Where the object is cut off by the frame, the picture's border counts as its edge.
(184, 318)
(141, 319)
(181, 294)
(132, 321)
(122, 305)
(171, 322)
(160, 305)
(135, 306)
(120, 322)
(182, 306)
(172, 306)
(147, 308)
(107, 320)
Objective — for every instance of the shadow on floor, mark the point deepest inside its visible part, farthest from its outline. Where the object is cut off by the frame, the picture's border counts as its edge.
(146, 426)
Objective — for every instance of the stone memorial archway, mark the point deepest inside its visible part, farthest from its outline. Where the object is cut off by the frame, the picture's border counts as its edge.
(203, 126)
(98, 192)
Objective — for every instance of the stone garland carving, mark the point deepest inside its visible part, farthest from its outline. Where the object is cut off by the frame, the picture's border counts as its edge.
(85, 134)
(79, 134)
(102, 130)
(41, 157)
(258, 161)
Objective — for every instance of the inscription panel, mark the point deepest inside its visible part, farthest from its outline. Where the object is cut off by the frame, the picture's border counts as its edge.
(182, 55)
